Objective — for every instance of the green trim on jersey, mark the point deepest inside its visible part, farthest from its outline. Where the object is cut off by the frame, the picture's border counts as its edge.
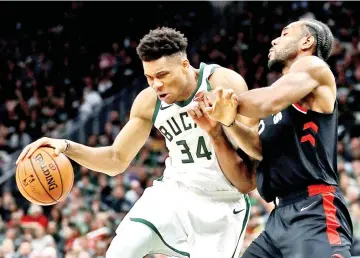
(160, 179)
(156, 111)
(207, 79)
(246, 219)
(186, 102)
(156, 231)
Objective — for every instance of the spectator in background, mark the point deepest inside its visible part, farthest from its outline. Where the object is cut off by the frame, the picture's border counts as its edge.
(42, 82)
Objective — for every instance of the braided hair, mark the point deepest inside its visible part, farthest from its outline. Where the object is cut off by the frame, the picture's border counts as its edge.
(324, 38)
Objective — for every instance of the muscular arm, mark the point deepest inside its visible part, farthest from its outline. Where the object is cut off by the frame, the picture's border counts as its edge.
(238, 172)
(307, 75)
(114, 159)
(244, 131)
(245, 136)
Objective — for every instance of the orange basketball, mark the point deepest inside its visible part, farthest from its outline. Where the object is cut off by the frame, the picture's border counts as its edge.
(45, 178)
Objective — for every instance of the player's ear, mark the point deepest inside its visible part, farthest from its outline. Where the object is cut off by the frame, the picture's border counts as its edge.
(307, 42)
(185, 65)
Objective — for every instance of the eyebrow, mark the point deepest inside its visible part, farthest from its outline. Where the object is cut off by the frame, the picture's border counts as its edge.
(284, 29)
(158, 72)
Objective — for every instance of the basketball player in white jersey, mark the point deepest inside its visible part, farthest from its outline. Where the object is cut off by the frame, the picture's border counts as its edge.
(199, 208)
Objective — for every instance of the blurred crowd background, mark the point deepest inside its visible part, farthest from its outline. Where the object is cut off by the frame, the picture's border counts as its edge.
(70, 69)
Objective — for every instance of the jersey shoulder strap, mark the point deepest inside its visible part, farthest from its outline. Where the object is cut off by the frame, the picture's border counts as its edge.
(205, 73)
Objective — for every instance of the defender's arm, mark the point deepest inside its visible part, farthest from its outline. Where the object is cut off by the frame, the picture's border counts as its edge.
(244, 131)
(307, 75)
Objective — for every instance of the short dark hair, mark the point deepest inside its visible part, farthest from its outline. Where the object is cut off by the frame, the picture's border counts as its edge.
(161, 42)
(323, 37)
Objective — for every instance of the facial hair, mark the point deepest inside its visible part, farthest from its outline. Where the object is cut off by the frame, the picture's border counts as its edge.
(276, 65)
(281, 58)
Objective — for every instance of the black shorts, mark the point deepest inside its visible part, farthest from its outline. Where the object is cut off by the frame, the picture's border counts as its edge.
(314, 223)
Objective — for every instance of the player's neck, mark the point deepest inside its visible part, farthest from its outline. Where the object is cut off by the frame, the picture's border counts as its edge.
(289, 63)
(285, 70)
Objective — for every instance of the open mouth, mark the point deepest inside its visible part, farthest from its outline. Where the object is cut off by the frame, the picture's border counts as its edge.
(163, 96)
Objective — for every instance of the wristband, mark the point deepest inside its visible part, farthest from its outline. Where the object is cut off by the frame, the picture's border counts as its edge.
(230, 125)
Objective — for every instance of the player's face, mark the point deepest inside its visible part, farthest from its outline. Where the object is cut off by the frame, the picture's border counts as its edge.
(285, 47)
(167, 76)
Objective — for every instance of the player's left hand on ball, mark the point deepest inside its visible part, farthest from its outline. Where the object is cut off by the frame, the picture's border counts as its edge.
(196, 111)
(223, 105)
(59, 146)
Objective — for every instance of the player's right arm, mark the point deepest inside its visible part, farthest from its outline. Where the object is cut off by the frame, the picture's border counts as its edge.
(237, 168)
(114, 159)
(244, 133)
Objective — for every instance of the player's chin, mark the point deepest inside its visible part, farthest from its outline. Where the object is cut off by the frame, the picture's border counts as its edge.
(272, 58)
(270, 63)
(169, 101)
(167, 98)
(275, 65)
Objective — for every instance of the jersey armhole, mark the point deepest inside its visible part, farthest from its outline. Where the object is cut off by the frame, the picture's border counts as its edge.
(305, 110)
(208, 86)
(299, 108)
(156, 110)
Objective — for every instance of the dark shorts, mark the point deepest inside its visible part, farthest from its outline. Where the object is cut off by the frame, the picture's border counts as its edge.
(314, 223)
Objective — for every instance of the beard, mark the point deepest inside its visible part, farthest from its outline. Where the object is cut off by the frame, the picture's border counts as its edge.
(281, 57)
(276, 65)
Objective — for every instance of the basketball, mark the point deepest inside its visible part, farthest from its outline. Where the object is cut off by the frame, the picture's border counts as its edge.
(45, 178)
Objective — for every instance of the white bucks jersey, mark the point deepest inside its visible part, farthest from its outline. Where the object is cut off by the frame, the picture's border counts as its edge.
(192, 159)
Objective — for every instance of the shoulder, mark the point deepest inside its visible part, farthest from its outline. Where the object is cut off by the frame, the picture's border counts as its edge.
(227, 79)
(317, 70)
(315, 67)
(309, 61)
(144, 104)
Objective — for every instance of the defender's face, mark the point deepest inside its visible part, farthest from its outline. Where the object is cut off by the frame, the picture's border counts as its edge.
(285, 47)
(166, 76)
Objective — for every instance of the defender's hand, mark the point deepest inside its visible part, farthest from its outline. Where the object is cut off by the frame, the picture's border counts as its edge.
(223, 105)
(58, 144)
(197, 112)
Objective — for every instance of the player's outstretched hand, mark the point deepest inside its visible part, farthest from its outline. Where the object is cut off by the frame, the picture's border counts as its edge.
(58, 144)
(223, 105)
(197, 112)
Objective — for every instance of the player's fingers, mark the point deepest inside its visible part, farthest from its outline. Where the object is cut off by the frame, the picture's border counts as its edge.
(33, 148)
(198, 111)
(208, 101)
(36, 145)
(234, 99)
(227, 94)
(57, 151)
(202, 106)
(191, 113)
(23, 153)
(218, 92)
(209, 110)
(210, 95)
(199, 96)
